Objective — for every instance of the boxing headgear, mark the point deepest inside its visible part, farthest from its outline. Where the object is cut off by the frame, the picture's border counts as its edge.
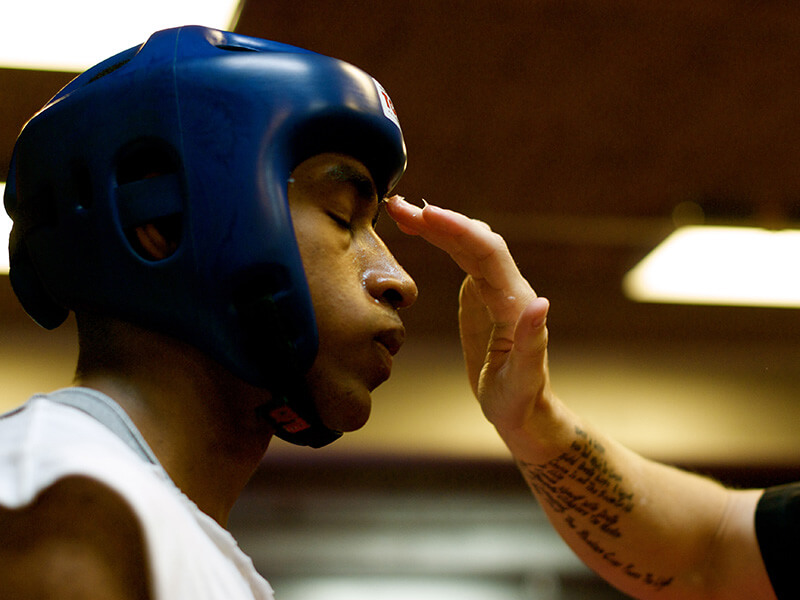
(199, 129)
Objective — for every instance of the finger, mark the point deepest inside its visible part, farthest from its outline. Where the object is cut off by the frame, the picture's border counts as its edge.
(417, 221)
(468, 241)
(485, 257)
(523, 370)
(407, 216)
(480, 252)
(530, 337)
(475, 327)
(527, 362)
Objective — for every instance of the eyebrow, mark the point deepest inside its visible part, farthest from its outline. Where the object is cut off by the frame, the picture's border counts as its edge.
(344, 173)
(361, 182)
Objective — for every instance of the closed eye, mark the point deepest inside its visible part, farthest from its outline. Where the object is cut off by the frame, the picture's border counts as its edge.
(341, 221)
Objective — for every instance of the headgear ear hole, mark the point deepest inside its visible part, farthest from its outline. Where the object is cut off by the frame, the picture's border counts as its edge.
(146, 158)
(150, 194)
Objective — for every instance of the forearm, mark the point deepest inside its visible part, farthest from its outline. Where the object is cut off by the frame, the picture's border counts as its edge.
(651, 530)
(648, 529)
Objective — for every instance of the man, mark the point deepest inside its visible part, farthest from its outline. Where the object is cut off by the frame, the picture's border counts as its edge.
(205, 204)
(650, 530)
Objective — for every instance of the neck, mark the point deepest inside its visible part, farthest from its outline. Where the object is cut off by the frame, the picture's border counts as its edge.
(199, 420)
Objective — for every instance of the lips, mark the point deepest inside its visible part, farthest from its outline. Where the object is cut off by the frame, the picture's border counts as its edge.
(388, 343)
(392, 339)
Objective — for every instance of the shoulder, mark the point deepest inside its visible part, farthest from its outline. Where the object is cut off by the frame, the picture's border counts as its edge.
(44, 442)
(77, 539)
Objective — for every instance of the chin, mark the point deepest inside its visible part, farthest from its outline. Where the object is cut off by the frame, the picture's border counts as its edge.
(350, 417)
(353, 425)
(350, 412)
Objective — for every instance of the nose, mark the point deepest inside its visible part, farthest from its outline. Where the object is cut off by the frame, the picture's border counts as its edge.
(386, 280)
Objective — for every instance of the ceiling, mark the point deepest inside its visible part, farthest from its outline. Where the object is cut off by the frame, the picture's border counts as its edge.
(575, 129)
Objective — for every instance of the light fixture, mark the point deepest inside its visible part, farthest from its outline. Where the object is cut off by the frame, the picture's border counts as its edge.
(399, 588)
(733, 266)
(72, 36)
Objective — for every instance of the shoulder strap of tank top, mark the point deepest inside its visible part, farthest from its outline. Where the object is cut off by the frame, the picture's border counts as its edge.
(109, 413)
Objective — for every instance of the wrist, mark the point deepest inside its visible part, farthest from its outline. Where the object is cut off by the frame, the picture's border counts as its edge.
(546, 431)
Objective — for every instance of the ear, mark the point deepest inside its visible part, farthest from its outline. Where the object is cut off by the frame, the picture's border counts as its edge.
(153, 244)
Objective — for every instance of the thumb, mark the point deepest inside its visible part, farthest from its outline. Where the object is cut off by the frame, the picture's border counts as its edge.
(530, 335)
(524, 374)
(527, 363)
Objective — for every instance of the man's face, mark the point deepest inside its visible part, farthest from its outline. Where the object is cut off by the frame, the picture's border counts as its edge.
(356, 285)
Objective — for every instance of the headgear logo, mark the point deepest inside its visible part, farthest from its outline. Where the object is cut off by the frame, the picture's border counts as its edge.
(387, 105)
(289, 420)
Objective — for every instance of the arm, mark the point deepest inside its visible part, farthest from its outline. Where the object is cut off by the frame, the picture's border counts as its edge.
(79, 540)
(648, 529)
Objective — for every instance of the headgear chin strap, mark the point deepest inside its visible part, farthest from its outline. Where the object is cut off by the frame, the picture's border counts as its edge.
(197, 130)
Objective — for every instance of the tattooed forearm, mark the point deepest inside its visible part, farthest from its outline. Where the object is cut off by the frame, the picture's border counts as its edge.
(591, 496)
(585, 464)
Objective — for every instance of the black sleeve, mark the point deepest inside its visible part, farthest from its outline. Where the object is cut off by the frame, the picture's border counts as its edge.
(778, 532)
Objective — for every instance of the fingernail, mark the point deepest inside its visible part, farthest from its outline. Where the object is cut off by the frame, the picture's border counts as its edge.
(392, 200)
(424, 203)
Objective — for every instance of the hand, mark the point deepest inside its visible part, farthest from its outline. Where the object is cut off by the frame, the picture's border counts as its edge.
(502, 321)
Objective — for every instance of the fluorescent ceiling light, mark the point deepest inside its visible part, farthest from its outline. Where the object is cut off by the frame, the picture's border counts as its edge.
(5, 231)
(73, 35)
(733, 266)
(395, 588)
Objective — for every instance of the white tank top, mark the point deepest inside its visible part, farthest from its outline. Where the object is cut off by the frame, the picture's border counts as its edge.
(190, 556)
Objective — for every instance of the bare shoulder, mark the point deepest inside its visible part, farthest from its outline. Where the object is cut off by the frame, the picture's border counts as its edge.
(78, 539)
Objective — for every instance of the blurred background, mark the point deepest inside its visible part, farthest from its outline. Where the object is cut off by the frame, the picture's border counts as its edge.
(585, 132)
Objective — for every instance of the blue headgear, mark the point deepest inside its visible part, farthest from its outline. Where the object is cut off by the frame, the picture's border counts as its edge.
(201, 129)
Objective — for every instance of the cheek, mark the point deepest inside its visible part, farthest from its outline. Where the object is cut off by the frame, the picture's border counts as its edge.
(336, 275)
(333, 284)
(338, 299)
(336, 378)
